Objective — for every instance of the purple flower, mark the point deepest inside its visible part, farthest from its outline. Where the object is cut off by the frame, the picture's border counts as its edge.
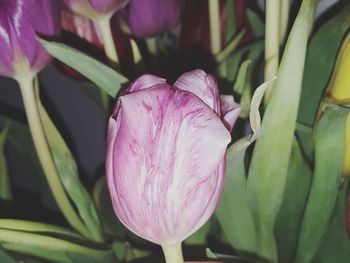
(20, 23)
(166, 154)
(95, 8)
(148, 18)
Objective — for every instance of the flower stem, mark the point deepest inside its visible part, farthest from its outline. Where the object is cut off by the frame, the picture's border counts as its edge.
(104, 25)
(284, 17)
(272, 42)
(173, 253)
(45, 157)
(214, 18)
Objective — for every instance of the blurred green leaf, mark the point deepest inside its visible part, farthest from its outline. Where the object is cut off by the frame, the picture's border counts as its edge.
(20, 137)
(249, 52)
(229, 48)
(329, 155)
(68, 172)
(41, 228)
(231, 20)
(294, 200)
(335, 245)
(226, 258)
(233, 211)
(50, 248)
(6, 258)
(200, 236)
(241, 79)
(103, 76)
(255, 22)
(269, 164)
(111, 224)
(5, 186)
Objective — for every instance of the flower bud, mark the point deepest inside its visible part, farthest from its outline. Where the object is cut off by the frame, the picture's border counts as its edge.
(20, 23)
(166, 149)
(93, 9)
(339, 86)
(148, 18)
(339, 92)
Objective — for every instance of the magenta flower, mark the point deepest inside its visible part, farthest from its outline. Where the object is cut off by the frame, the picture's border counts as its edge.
(148, 18)
(20, 23)
(94, 8)
(166, 154)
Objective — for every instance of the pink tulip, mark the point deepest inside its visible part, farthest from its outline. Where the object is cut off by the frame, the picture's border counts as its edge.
(166, 154)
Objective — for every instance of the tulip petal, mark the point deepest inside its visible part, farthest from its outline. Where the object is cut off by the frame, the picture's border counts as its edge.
(230, 111)
(201, 84)
(168, 148)
(145, 81)
(108, 6)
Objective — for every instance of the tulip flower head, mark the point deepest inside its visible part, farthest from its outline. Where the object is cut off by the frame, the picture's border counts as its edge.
(95, 8)
(166, 154)
(20, 23)
(148, 18)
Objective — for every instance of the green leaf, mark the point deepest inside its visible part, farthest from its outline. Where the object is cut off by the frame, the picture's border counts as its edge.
(231, 21)
(200, 236)
(227, 258)
(20, 137)
(103, 76)
(233, 211)
(335, 245)
(320, 60)
(269, 164)
(255, 22)
(49, 248)
(240, 82)
(329, 155)
(294, 200)
(68, 172)
(5, 258)
(229, 48)
(41, 228)
(5, 186)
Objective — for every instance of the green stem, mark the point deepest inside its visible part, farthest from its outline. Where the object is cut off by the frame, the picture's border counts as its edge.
(104, 25)
(284, 17)
(214, 18)
(5, 186)
(45, 157)
(173, 253)
(272, 42)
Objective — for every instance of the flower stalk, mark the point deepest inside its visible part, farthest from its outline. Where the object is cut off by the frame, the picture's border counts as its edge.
(44, 154)
(214, 18)
(173, 253)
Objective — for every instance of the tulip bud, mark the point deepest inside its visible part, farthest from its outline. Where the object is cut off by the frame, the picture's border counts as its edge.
(20, 23)
(339, 86)
(339, 91)
(93, 9)
(166, 149)
(148, 18)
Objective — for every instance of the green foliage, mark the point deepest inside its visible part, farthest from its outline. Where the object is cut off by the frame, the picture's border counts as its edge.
(335, 245)
(233, 211)
(52, 249)
(5, 187)
(329, 156)
(68, 172)
(269, 164)
(103, 76)
(292, 208)
(319, 64)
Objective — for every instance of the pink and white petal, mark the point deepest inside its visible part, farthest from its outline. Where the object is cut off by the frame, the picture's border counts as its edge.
(145, 81)
(201, 84)
(230, 111)
(168, 141)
